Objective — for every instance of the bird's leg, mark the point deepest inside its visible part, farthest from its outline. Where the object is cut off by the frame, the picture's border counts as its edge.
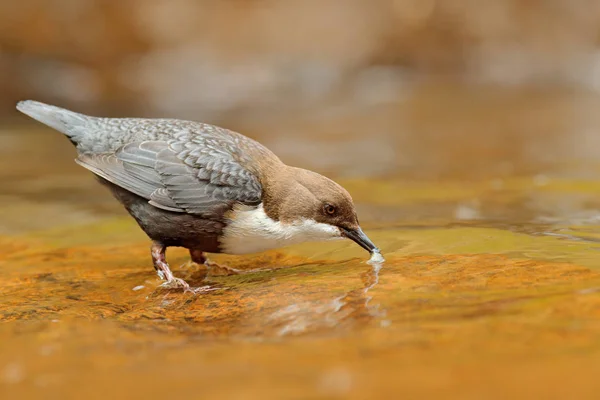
(199, 257)
(159, 260)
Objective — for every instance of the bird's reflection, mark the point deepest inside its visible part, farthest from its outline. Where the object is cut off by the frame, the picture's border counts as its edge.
(354, 308)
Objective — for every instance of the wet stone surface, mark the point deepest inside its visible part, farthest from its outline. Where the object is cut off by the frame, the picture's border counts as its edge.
(490, 288)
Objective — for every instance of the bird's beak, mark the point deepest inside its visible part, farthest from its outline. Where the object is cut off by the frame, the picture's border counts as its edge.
(360, 238)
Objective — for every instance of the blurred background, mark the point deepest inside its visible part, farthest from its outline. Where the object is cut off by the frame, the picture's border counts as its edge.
(395, 74)
(423, 90)
(217, 59)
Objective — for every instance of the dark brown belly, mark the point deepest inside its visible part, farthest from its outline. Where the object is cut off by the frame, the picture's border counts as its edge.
(170, 228)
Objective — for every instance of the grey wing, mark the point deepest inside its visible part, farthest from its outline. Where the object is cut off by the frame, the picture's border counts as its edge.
(189, 178)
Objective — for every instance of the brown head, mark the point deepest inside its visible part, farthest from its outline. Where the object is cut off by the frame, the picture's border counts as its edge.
(297, 195)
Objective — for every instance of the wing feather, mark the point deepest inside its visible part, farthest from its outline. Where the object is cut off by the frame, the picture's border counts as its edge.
(179, 176)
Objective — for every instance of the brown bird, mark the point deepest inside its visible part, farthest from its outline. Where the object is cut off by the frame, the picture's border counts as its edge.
(204, 188)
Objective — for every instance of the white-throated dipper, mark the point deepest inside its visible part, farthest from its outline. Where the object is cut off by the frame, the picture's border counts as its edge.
(204, 188)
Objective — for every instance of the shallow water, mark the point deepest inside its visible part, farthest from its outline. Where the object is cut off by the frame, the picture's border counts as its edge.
(485, 204)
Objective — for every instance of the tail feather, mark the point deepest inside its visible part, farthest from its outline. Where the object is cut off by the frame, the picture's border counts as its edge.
(68, 122)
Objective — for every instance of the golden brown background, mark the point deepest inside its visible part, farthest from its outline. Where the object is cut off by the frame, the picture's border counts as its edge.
(467, 132)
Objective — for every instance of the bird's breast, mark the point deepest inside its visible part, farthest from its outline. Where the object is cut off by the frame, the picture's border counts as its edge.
(251, 230)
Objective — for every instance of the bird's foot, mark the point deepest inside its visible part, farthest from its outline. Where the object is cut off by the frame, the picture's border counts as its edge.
(198, 271)
(200, 289)
(175, 283)
(164, 272)
(215, 269)
(178, 283)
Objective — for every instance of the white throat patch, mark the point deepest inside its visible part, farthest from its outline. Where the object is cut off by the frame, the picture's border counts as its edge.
(251, 230)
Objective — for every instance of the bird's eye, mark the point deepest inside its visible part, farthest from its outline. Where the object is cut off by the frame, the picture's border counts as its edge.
(329, 209)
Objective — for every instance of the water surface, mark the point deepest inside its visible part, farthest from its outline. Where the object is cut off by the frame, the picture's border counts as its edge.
(485, 203)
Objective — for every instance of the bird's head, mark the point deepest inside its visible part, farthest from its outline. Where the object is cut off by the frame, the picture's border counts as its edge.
(320, 206)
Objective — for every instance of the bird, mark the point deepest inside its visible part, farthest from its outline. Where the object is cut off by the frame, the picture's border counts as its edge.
(204, 188)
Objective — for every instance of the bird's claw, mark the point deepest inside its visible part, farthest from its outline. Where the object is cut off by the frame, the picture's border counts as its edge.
(175, 283)
(221, 270)
(198, 290)
(178, 283)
